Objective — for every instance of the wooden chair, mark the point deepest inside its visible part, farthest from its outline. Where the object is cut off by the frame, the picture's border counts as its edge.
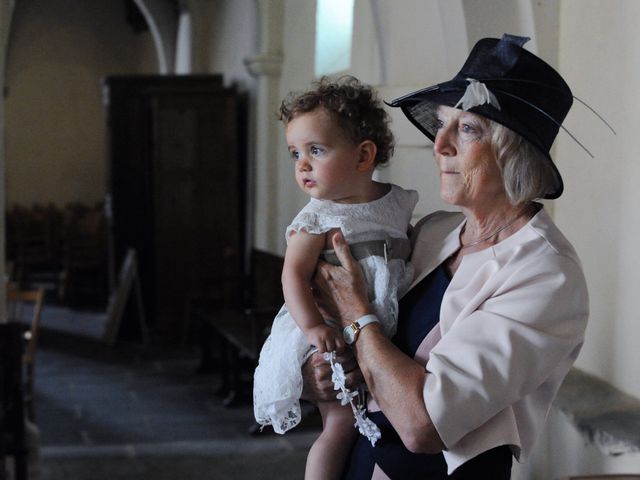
(12, 424)
(32, 240)
(25, 307)
(83, 275)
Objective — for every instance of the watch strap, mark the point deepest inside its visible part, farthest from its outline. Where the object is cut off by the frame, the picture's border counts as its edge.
(358, 325)
(366, 320)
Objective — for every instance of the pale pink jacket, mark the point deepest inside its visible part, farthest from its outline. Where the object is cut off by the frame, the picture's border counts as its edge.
(512, 322)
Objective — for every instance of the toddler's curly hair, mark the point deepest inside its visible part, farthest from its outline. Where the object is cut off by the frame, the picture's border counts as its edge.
(354, 105)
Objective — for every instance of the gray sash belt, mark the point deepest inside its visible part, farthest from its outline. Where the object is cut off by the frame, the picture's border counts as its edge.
(389, 249)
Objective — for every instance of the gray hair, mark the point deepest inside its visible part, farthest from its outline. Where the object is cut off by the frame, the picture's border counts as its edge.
(526, 171)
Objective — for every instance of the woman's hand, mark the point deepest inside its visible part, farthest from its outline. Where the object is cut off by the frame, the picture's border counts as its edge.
(316, 376)
(341, 291)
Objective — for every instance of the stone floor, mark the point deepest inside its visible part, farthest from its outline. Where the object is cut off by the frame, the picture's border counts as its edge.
(127, 412)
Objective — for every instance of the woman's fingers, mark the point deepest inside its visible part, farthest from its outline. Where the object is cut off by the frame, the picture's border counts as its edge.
(335, 344)
(341, 291)
(353, 374)
(346, 358)
(316, 375)
(354, 379)
(343, 253)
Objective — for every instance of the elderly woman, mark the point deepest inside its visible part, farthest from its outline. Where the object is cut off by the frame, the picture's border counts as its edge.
(497, 312)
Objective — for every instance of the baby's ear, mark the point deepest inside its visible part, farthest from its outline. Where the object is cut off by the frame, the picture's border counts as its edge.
(367, 152)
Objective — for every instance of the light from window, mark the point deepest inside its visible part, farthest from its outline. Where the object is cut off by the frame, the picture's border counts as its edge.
(334, 28)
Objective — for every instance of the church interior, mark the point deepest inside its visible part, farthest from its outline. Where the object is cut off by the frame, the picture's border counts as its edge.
(147, 186)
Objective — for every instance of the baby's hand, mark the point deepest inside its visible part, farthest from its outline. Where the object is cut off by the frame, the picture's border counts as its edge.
(324, 338)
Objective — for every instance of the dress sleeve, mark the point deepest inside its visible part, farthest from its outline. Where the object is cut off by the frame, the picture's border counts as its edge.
(311, 222)
(529, 329)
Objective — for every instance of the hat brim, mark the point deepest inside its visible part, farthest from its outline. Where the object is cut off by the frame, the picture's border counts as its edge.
(420, 107)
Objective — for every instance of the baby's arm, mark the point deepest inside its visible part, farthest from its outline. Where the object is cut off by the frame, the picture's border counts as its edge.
(301, 257)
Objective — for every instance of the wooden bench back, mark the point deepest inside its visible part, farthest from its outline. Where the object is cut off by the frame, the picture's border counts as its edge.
(265, 287)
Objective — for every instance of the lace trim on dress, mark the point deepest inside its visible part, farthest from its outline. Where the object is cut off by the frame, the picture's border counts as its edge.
(310, 222)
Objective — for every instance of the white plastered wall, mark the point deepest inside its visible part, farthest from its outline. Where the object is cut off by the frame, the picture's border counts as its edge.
(599, 58)
(55, 128)
(232, 31)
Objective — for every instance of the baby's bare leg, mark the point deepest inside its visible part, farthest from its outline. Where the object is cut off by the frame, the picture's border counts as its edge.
(328, 454)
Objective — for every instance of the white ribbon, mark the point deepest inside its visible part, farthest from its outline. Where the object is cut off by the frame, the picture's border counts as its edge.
(477, 94)
(364, 425)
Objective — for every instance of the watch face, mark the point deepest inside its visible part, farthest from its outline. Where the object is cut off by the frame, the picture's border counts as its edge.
(349, 334)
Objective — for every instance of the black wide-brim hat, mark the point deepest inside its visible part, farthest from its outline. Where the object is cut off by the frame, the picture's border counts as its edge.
(518, 90)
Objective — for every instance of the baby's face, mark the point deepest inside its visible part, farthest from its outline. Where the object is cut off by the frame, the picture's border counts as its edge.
(325, 159)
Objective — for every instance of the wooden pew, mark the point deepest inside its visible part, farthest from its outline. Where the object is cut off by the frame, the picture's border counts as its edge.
(233, 331)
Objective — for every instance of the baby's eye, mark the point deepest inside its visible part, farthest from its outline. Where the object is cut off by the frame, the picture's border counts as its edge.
(294, 154)
(439, 124)
(316, 150)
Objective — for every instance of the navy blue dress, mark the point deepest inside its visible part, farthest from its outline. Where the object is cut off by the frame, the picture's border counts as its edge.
(419, 312)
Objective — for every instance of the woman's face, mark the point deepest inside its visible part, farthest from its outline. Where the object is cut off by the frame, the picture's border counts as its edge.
(469, 174)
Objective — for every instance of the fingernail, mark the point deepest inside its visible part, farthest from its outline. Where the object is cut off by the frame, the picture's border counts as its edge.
(339, 238)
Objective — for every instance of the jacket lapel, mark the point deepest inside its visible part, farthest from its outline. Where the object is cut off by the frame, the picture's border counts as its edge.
(433, 245)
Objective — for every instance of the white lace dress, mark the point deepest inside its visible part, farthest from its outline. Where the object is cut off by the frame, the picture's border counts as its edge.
(278, 379)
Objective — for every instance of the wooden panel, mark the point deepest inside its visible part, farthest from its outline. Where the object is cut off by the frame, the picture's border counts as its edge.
(177, 178)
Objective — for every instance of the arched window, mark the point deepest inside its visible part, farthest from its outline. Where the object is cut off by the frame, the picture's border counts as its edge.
(334, 31)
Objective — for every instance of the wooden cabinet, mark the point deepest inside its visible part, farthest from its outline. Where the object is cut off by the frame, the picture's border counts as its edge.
(176, 187)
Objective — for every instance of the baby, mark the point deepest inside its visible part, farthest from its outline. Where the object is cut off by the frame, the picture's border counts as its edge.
(337, 134)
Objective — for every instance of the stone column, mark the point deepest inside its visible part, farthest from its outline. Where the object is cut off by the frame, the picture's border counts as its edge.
(265, 66)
